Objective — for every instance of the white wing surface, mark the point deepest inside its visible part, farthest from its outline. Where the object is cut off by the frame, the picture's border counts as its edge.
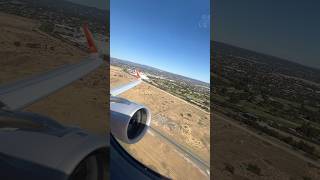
(19, 94)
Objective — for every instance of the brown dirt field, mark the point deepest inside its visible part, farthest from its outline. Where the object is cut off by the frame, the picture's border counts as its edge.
(163, 157)
(84, 103)
(236, 149)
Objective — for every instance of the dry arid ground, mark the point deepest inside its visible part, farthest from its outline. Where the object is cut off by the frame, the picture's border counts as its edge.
(164, 158)
(239, 155)
(177, 119)
(25, 51)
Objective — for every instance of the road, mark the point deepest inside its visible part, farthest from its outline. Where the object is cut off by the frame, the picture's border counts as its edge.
(201, 164)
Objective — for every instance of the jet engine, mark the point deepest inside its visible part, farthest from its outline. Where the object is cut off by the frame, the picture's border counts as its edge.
(129, 121)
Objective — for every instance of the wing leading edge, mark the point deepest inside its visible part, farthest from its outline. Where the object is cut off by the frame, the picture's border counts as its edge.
(19, 94)
(121, 89)
(118, 90)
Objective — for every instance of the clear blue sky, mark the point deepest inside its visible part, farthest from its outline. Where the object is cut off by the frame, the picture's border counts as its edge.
(172, 35)
(285, 28)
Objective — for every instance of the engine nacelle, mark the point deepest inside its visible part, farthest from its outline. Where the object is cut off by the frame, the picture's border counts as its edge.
(129, 121)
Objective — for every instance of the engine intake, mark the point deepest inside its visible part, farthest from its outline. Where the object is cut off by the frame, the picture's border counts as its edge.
(129, 121)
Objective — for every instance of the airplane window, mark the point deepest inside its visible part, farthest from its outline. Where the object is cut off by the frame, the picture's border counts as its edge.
(91, 168)
(86, 170)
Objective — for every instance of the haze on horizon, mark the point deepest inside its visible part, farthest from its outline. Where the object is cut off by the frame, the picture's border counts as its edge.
(287, 29)
(159, 69)
(100, 4)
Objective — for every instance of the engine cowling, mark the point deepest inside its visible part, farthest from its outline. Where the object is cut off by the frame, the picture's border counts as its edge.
(129, 120)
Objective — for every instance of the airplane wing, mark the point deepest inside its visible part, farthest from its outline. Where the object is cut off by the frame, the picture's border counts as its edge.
(19, 94)
(120, 89)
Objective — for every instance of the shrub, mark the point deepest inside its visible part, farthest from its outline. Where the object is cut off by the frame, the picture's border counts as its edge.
(229, 168)
(254, 169)
(17, 43)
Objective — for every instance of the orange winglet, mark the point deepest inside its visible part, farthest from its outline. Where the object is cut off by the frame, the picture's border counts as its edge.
(137, 74)
(92, 47)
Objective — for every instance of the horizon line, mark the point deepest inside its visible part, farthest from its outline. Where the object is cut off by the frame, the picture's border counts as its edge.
(267, 54)
(164, 70)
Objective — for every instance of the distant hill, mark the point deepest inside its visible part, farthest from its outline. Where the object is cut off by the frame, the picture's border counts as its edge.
(100, 4)
(158, 72)
(264, 63)
(59, 12)
(70, 8)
